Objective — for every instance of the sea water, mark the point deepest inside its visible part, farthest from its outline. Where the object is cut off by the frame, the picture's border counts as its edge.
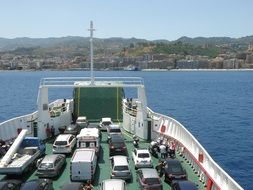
(215, 106)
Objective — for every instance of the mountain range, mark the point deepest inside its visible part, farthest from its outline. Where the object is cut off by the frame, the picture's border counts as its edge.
(111, 43)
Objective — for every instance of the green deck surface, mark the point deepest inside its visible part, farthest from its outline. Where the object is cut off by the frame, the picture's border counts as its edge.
(103, 168)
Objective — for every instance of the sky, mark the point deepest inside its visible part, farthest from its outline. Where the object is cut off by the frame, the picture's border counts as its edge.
(145, 19)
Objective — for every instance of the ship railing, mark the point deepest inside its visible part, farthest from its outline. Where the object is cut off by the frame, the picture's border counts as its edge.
(195, 154)
(86, 81)
(9, 129)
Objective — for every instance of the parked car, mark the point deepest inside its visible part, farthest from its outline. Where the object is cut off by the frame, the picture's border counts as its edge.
(38, 184)
(72, 129)
(174, 170)
(50, 165)
(113, 128)
(82, 121)
(104, 123)
(83, 164)
(183, 185)
(117, 145)
(149, 179)
(142, 158)
(64, 143)
(112, 184)
(120, 168)
(72, 186)
(11, 184)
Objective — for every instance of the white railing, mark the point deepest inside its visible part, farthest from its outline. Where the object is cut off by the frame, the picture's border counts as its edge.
(9, 129)
(174, 129)
(86, 81)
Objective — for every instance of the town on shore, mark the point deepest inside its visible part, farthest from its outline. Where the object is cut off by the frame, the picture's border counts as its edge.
(126, 54)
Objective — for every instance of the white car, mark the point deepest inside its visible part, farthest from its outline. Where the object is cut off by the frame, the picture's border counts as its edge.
(142, 158)
(82, 121)
(104, 123)
(64, 143)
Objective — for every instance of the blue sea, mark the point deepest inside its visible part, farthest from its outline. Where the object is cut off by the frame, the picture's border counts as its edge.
(216, 107)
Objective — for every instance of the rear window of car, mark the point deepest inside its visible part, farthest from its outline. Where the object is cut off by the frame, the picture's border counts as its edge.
(46, 165)
(115, 130)
(151, 181)
(143, 155)
(107, 123)
(59, 143)
(120, 168)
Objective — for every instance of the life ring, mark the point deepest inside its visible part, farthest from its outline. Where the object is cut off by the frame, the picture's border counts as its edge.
(163, 129)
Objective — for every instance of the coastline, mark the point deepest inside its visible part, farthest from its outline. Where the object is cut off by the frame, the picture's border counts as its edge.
(143, 70)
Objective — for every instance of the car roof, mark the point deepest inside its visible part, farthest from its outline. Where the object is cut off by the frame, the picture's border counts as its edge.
(114, 126)
(120, 160)
(111, 184)
(185, 185)
(173, 161)
(63, 137)
(105, 119)
(116, 138)
(149, 173)
(72, 186)
(142, 150)
(50, 158)
(88, 132)
(34, 184)
(81, 117)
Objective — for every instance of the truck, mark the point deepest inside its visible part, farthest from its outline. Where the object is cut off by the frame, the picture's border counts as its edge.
(22, 155)
(89, 138)
(83, 165)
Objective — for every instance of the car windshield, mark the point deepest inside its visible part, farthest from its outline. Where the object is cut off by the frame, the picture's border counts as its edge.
(106, 123)
(46, 165)
(120, 168)
(143, 155)
(60, 143)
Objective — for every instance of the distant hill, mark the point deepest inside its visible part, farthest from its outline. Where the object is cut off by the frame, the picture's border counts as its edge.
(216, 40)
(70, 41)
(75, 46)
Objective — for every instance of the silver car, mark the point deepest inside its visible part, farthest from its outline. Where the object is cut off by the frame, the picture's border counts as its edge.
(149, 179)
(50, 165)
(120, 168)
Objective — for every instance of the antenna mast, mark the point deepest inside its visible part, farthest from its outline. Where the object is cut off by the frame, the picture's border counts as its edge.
(91, 52)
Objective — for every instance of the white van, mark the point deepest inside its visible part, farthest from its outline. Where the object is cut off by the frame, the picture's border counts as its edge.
(83, 165)
(89, 138)
(112, 184)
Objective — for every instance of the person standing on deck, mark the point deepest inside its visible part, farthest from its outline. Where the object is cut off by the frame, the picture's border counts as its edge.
(53, 131)
(172, 149)
(88, 186)
(160, 168)
(163, 151)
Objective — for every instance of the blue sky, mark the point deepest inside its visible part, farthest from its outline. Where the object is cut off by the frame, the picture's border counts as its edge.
(147, 19)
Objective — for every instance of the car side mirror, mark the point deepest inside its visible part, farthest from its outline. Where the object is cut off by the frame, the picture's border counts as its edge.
(38, 162)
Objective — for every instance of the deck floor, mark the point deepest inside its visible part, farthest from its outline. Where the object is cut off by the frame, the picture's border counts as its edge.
(103, 168)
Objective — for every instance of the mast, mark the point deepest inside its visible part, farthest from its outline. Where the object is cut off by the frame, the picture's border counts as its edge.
(91, 52)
